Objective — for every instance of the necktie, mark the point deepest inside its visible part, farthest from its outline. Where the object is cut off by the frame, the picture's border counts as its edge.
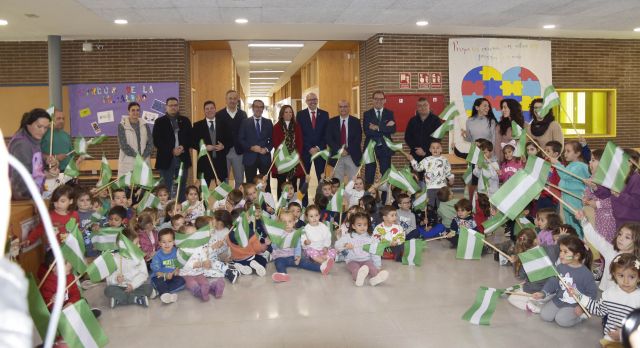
(378, 114)
(313, 119)
(212, 134)
(343, 133)
(258, 126)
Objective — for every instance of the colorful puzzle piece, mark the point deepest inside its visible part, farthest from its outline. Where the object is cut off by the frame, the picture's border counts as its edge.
(511, 87)
(489, 72)
(530, 87)
(470, 87)
(473, 75)
(492, 87)
(468, 101)
(512, 74)
(526, 74)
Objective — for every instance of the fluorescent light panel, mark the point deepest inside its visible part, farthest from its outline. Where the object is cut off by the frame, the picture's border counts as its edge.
(265, 71)
(264, 78)
(269, 62)
(283, 45)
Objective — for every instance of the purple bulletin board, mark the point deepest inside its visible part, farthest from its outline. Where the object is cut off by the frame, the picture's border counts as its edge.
(98, 108)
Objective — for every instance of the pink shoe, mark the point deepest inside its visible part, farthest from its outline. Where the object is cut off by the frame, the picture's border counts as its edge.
(203, 295)
(217, 287)
(326, 266)
(280, 277)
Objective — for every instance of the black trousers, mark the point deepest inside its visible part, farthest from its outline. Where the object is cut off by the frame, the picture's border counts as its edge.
(251, 170)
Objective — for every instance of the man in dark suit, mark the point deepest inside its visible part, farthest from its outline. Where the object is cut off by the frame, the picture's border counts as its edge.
(345, 130)
(212, 131)
(172, 138)
(231, 119)
(419, 129)
(255, 140)
(378, 123)
(313, 123)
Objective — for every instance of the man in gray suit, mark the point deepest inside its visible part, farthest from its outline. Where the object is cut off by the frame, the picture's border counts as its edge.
(233, 116)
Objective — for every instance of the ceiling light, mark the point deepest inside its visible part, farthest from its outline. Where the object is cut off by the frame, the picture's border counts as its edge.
(263, 83)
(549, 26)
(269, 62)
(3, 22)
(637, 29)
(265, 71)
(120, 21)
(242, 21)
(422, 23)
(264, 78)
(276, 45)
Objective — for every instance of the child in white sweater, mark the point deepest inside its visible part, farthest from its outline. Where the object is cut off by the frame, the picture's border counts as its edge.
(198, 267)
(488, 179)
(316, 240)
(128, 284)
(437, 172)
(390, 231)
(354, 190)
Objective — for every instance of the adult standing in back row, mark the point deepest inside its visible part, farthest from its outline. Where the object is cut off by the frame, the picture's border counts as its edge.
(172, 138)
(378, 124)
(231, 117)
(419, 130)
(313, 123)
(481, 125)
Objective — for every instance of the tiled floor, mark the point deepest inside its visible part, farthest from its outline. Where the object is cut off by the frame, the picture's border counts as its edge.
(417, 307)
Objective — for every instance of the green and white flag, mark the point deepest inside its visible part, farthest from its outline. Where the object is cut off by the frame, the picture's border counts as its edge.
(80, 328)
(105, 172)
(102, 267)
(80, 146)
(98, 215)
(521, 223)
(482, 309)
(475, 154)
(470, 244)
(339, 153)
(105, 239)
(413, 252)
(420, 201)
(204, 189)
(195, 239)
(202, 150)
(521, 146)
(403, 180)
(516, 130)
(97, 140)
(322, 153)
(537, 264)
(72, 170)
(376, 247)
(525, 185)
(391, 145)
(335, 204)
(51, 110)
(149, 200)
(291, 240)
(286, 161)
(551, 98)
(369, 154)
(275, 229)
(180, 174)
(221, 191)
(37, 307)
(468, 174)
(613, 168)
(495, 222)
(142, 173)
(129, 250)
(241, 230)
(124, 181)
(449, 113)
(444, 128)
(73, 252)
(182, 257)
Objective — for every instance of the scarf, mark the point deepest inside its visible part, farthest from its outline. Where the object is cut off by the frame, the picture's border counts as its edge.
(538, 128)
(289, 141)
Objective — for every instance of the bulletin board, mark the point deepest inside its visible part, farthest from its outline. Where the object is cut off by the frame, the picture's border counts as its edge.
(404, 106)
(97, 108)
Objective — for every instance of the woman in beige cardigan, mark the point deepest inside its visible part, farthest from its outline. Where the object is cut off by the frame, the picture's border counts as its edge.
(544, 128)
(134, 137)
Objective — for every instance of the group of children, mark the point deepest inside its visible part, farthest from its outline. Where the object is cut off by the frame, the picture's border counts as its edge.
(350, 234)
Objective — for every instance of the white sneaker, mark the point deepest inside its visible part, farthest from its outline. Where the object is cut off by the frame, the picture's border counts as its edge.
(363, 272)
(154, 294)
(258, 267)
(245, 270)
(166, 298)
(379, 278)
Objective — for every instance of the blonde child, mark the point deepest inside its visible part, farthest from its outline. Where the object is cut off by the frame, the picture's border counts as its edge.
(390, 231)
(193, 206)
(355, 190)
(574, 268)
(359, 262)
(605, 223)
(547, 221)
(316, 241)
(196, 267)
(128, 284)
(61, 211)
(147, 236)
(573, 155)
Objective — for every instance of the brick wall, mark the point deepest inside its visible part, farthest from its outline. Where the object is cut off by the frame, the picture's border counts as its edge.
(116, 61)
(576, 63)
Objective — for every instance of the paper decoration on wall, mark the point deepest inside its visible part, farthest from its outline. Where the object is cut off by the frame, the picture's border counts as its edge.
(85, 112)
(149, 117)
(105, 116)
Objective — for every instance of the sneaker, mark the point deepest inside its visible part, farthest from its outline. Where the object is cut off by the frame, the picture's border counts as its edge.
(246, 270)
(142, 301)
(232, 275)
(267, 256)
(200, 293)
(379, 278)
(533, 307)
(154, 293)
(167, 298)
(326, 266)
(280, 277)
(113, 302)
(363, 272)
(88, 284)
(217, 287)
(96, 312)
(258, 268)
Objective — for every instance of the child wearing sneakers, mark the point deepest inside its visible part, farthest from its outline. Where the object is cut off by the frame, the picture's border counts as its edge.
(164, 266)
(248, 259)
(316, 241)
(361, 263)
(128, 284)
(195, 270)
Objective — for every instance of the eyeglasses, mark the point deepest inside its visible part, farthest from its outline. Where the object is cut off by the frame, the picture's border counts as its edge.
(172, 105)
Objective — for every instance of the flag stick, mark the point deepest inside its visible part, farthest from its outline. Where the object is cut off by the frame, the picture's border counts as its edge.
(569, 173)
(271, 166)
(212, 168)
(67, 288)
(110, 193)
(566, 286)
(570, 118)
(518, 293)
(70, 153)
(106, 185)
(564, 190)
(303, 170)
(131, 196)
(536, 144)
(496, 249)
(177, 193)
(437, 238)
(53, 264)
(572, 209)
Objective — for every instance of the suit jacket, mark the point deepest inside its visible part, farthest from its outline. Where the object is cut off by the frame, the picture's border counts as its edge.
(278, 138)
(371, 118)
(249, 137)
(163, 140)
(233, 127)
(418, 134)
(312, 137)
(201, 132)
(354, 138)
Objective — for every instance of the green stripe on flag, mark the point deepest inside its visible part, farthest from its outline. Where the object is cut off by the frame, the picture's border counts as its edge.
(521, 223)
(449, 113)
(551, 98)
(335, 204)
(195, 239)
(182, 257)
(37, 307)
(101, 267)
(97, 140)
(72, 170)
(412, 255)
(149, 200)
(80, 328)
(275, 230)
(420, 201)
(80, 146)
(369, 154)
(613, 169)
(241, 230)
(391, 145)
(142, 174)
(537, 264)
(495, 222)
(482, 309)
(468, 174)
(128, 249)
(221, 191)
(73, 253)
(286, 161)
(105, 172)
(204, 189)
(105, 238)
(322, 153)
(403, 180)
(443, 129)
(474, 154)
(376, 247)
(202, 150)
(470, 244)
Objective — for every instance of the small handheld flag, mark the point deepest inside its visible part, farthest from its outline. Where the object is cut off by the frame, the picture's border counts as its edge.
(470, 244)
(413, 252)
(482, 309)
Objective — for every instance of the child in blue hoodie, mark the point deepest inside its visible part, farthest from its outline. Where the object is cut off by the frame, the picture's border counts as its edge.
(165, 268)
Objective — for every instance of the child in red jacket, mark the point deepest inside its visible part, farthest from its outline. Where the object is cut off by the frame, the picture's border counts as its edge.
(61, 210)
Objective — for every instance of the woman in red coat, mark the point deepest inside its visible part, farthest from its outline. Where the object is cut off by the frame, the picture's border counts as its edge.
(287, 131)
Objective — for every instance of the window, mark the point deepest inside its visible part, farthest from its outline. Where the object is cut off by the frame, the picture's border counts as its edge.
(592, 111)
